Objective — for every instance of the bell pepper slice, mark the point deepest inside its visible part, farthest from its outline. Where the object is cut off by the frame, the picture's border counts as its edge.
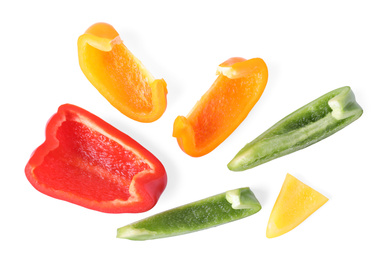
(88, 162)
(119, 76)
(295, 203)
(209, 212)
(223, 107)
(310, 124)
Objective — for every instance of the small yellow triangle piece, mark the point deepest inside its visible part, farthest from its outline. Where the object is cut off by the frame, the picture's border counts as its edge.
(295, 203)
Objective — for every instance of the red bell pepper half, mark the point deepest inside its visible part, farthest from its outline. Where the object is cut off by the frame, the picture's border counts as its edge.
(86, 161)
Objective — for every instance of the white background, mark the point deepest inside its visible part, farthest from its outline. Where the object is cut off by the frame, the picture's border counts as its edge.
(310, 49)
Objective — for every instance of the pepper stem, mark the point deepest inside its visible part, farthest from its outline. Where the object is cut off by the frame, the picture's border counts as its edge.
(243, 199)
(344, 105)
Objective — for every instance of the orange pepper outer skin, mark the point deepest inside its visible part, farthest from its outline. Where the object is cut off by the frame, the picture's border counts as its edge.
(223, 107)
(119, 76)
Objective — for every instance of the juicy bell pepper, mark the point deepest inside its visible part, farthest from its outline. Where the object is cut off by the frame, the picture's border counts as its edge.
(302, 128)
(119, 76)
(295, 203)
(202, 214)
(223, 107)
(88, 162)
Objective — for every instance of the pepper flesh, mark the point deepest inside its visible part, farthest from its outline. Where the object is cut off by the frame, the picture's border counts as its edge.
(302, 128)
(88, 162)
(212, 211)
(223, 107)
(119, 76)
(295, 203)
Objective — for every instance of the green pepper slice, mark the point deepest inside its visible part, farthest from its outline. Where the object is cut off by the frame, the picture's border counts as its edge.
(300, 129)
(209, 212)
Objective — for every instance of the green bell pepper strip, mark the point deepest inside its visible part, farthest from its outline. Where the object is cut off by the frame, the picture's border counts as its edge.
(209, 212)
(302, 128)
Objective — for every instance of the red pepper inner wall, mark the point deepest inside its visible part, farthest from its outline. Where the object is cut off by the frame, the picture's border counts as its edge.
(89, 164)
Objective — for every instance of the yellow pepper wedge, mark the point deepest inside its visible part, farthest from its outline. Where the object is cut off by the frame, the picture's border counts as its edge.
(295, 203)
(223, 107)
(119, 76)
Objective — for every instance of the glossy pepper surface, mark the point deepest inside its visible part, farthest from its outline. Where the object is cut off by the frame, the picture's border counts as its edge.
(223, 107)
(88, 162)
(302, 128)
(119, 76)
(295, 203)
(209, 212)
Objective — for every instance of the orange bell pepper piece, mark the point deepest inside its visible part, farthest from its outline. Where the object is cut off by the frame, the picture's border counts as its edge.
(223, 107)
(119, 76)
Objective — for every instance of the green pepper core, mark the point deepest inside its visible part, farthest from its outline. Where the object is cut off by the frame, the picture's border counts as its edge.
(209, 212)
(302, 128)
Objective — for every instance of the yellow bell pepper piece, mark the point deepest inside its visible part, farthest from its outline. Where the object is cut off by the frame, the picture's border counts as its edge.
(295, 203)
(119, 76)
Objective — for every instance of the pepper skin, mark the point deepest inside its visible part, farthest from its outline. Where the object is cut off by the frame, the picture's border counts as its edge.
(119, 76)
(302, 128)
(223, 107)
(88, 162)
(295, 203)
(202, 214)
